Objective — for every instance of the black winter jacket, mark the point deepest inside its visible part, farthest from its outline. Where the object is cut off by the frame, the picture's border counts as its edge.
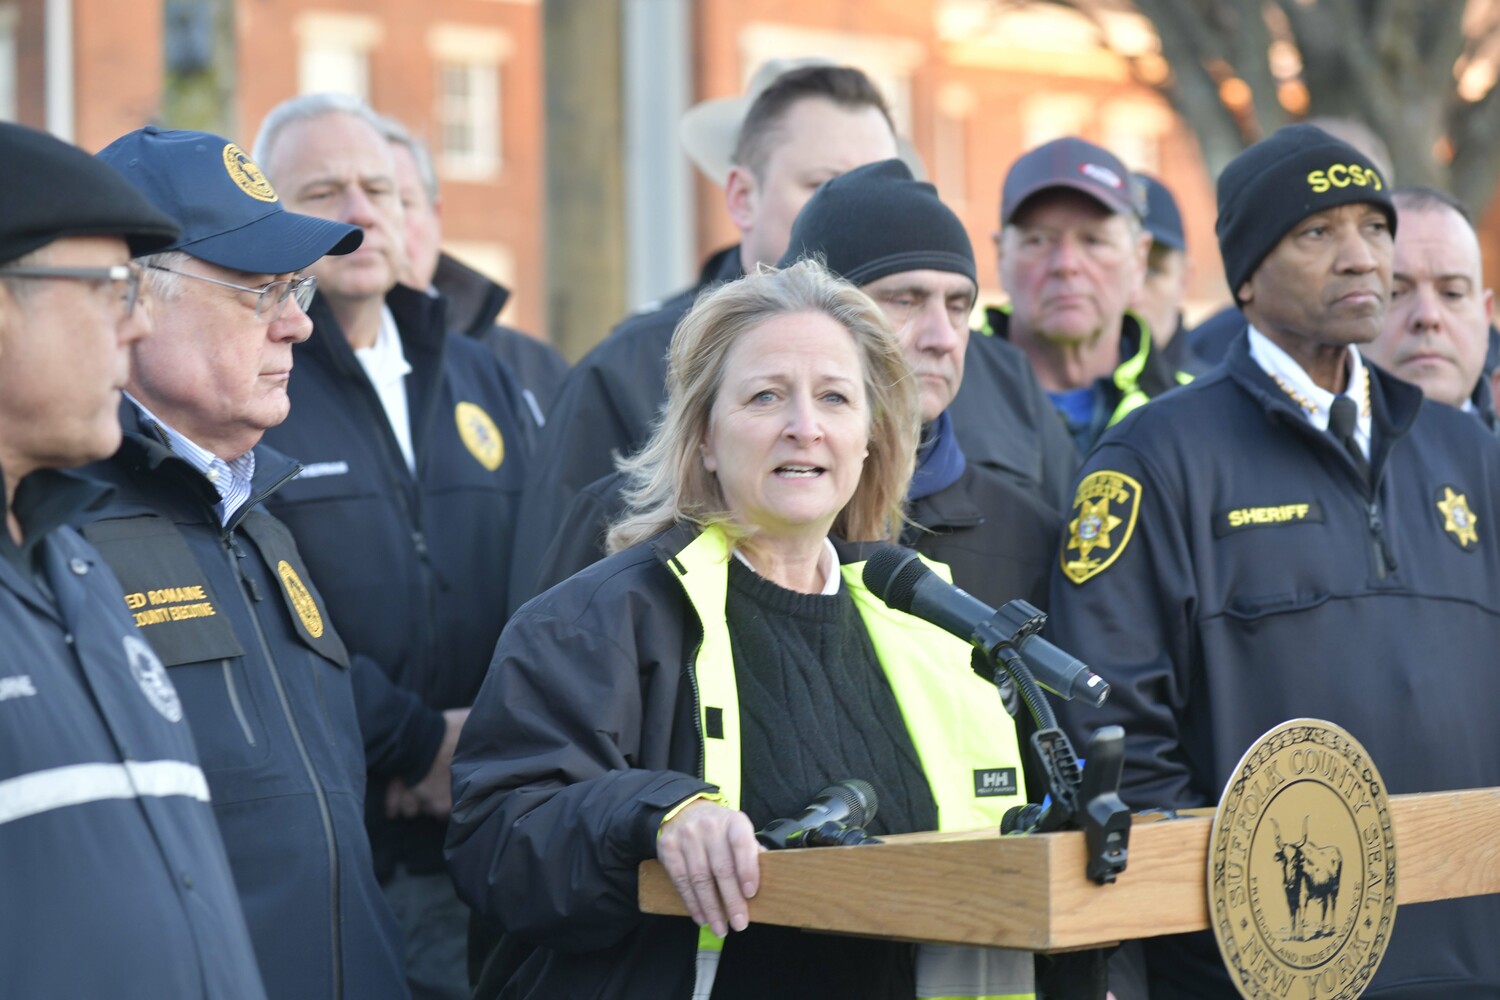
(113, 880)
(1005, 421)
(605, 408)
(473, 304)
(414, 569)
(586, 733)
(264, 680)
(1242, 573)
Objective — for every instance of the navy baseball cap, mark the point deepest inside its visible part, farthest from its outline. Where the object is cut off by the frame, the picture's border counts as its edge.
(1163, 221)
(229, 213)
(1071, 163)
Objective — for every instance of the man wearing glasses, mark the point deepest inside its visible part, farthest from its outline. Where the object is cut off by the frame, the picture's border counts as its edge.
(114, 876)
(215, 583)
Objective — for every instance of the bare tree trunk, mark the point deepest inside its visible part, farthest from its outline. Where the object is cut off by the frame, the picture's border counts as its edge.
(1389, 64)
(585, 184)
(200, 65)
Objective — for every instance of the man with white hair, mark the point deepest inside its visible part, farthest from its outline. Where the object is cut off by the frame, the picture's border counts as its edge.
(414, 458)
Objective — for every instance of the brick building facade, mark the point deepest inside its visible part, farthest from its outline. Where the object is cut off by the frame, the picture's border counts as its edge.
(971, 84)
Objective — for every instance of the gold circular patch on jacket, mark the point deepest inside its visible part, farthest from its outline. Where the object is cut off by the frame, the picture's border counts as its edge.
(246, 175)
(307, 608)
(1302, 866)
(480, 435)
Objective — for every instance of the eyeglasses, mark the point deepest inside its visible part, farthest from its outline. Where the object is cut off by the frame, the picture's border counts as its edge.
(130, 274)
(271, 297)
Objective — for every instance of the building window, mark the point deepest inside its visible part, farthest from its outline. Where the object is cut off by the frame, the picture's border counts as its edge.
(1133, 131)
(1045, 117)
(9, 71)
(467, 60)
(956, 105)
(468, 118)
(333, 53)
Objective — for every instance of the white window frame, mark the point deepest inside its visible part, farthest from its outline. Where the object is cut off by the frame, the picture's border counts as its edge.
(333, 52)
(10, 68)
(477, 55)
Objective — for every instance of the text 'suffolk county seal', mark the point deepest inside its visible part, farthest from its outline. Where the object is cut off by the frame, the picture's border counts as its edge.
(1302, 866)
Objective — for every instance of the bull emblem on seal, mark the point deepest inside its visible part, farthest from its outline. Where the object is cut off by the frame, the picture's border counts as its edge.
(1309, 874)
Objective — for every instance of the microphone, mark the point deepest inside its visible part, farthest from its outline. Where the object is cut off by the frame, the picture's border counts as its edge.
(902, 581)
(848, 804)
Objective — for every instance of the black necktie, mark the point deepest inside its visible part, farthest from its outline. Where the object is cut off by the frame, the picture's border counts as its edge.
(1343, 416)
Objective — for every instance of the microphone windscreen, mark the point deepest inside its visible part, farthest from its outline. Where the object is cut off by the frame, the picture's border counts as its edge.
(859, 797)
(892, 574)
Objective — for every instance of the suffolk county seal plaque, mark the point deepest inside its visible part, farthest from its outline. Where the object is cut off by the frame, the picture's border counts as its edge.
(1302, 866)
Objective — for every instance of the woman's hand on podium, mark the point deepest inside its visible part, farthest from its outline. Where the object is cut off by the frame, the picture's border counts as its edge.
(710, 853)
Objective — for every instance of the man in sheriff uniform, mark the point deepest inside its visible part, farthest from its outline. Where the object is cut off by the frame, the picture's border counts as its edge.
(405, 512)
(113, 879)
(216, 584)
(1297, 534)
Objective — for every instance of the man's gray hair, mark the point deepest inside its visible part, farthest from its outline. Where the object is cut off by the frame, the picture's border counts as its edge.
(306, 107)
(164, 284)
(395, 132)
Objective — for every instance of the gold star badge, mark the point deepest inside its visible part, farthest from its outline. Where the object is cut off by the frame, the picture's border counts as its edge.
(1105, 503)
(1458, 520)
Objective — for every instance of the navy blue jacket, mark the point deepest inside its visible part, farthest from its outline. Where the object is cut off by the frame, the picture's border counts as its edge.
(113, 880)
(1241, 573)
(414, 569)
(264, 680)
(473, 303)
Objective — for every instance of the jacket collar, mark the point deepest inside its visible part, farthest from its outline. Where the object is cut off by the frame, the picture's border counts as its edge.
(722, 266)
(1394, 404)
(45, 500)
(673, 542)
(940, 460)
(144, 452)
(473, 300)
(419, 320)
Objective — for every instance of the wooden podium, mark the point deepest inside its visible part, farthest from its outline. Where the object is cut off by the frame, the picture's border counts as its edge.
(1031, 893)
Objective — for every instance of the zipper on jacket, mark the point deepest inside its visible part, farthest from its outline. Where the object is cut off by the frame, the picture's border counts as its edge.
(336, 919)
(234, 701)
(1385, 561)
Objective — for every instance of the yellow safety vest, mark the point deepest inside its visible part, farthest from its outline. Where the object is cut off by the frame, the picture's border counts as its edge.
(955, 721)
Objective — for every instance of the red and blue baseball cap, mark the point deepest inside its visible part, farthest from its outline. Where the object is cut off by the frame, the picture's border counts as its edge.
(229, 213)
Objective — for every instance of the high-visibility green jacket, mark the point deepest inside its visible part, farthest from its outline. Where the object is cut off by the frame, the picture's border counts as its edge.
(611, 699)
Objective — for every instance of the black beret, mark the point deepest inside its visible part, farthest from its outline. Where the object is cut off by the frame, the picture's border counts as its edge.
(878, 220)
(1281, 180)
(54, 190)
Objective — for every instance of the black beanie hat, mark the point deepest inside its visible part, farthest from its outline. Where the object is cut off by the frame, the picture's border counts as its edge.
(54, 190)
(877, 220)
(1281, 180)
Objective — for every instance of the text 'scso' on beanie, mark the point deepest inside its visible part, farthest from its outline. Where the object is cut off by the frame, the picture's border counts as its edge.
(1281, 180)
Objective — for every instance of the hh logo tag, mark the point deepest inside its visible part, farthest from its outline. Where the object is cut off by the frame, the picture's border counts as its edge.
(995, 781)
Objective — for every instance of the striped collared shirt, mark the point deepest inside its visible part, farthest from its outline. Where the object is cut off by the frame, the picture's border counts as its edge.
(231, 480)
